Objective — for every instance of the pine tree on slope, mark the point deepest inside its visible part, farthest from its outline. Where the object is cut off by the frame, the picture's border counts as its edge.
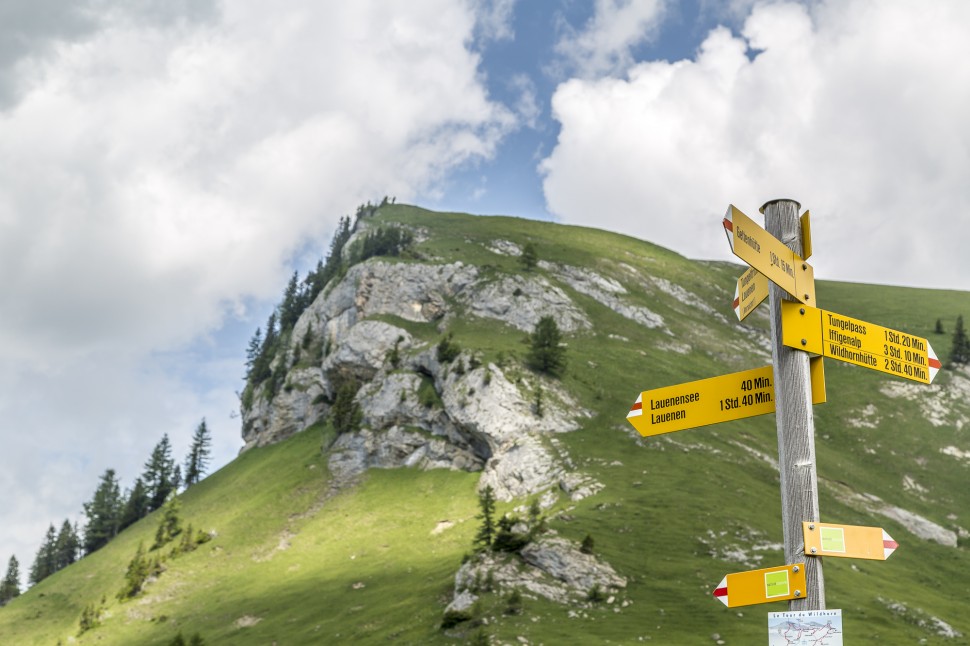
(161, 475)
(198, 458)
(10, 586)
(961, 344)
(44, 565)
(103, 513)
(67, 547)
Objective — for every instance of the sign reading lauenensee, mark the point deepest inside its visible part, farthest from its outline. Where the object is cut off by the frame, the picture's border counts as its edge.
(718, 399)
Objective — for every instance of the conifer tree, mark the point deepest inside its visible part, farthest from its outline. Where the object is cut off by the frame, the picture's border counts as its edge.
(291, 307)
(10, 586)
(529, 257)
(198, 458)
(103, 513)
(345, 414)
(67, 547)
(161, 475)
(170, 524)
(961, 344)
(486, 532)
(252, 351)
(45, 564)
(139, 568)
(136, 505)
(545, 353)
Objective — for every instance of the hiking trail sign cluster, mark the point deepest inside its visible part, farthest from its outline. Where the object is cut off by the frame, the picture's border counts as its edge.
(807, 329)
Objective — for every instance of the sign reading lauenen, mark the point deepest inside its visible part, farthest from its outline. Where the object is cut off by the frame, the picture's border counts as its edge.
(755, 246)
(858, 342)
(751, 290)
(709, 401)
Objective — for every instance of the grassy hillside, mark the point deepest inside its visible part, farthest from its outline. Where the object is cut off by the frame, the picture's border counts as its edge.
(294, 562)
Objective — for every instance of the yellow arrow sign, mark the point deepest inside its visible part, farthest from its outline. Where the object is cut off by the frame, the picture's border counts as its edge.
(751, 290)
(709, 401)
(848, 541)
(762, 586)
(858, 342)
(755, 246)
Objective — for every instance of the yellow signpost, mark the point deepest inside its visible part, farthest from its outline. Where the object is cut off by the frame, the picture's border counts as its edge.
(762, 586)
(847, 541)
(864, 344)
(755, 246)
(709, 401)
(751, 290)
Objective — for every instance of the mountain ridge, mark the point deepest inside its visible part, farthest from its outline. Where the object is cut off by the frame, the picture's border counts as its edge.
(670, 514)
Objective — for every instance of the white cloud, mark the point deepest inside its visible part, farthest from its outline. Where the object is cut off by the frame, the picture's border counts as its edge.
(856, 109)
(157, 173)
(495, 19)
(604, 43)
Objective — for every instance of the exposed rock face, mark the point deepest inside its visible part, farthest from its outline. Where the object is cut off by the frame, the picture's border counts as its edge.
(521, 302)
(417, 411)
(605, 290)
(555, 569)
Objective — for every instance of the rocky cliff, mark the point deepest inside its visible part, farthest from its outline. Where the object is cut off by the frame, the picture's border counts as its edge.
(418, 409)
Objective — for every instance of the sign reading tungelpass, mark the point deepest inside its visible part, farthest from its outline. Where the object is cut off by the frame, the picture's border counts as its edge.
(858, 342)
(709, 401)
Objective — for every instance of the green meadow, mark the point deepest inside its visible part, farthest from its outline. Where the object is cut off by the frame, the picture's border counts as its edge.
(295, 561)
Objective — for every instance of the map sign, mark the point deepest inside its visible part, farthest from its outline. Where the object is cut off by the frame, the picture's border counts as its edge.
(858, 342)
(709, 401)
(805, 628)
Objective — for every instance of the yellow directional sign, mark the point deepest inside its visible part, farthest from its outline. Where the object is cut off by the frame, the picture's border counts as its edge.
(709, 401)
(854, 341)
(751, 290)
(755, 246)
(806, 223)
(762, 586)
(848, 541)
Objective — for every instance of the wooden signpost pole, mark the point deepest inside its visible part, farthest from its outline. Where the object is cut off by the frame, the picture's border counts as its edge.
(795, 420)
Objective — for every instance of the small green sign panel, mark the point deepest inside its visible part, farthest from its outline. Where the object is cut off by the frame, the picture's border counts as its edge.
(776, 584)
(833, 539)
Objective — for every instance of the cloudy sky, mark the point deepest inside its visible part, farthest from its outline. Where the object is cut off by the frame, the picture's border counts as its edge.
(166, 165)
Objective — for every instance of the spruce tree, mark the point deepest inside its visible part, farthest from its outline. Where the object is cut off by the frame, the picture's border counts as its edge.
(529, 257)
(198, 458)
(139, 569)
(103, 513)
(291, 307)
(545, 353)
(10, 586)
(345, 414)
(136, 505)
(252, 351)
(170, 524)
(160, 475)
(961, 344)
(67, 547)
(45, 564)
(486, 532)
